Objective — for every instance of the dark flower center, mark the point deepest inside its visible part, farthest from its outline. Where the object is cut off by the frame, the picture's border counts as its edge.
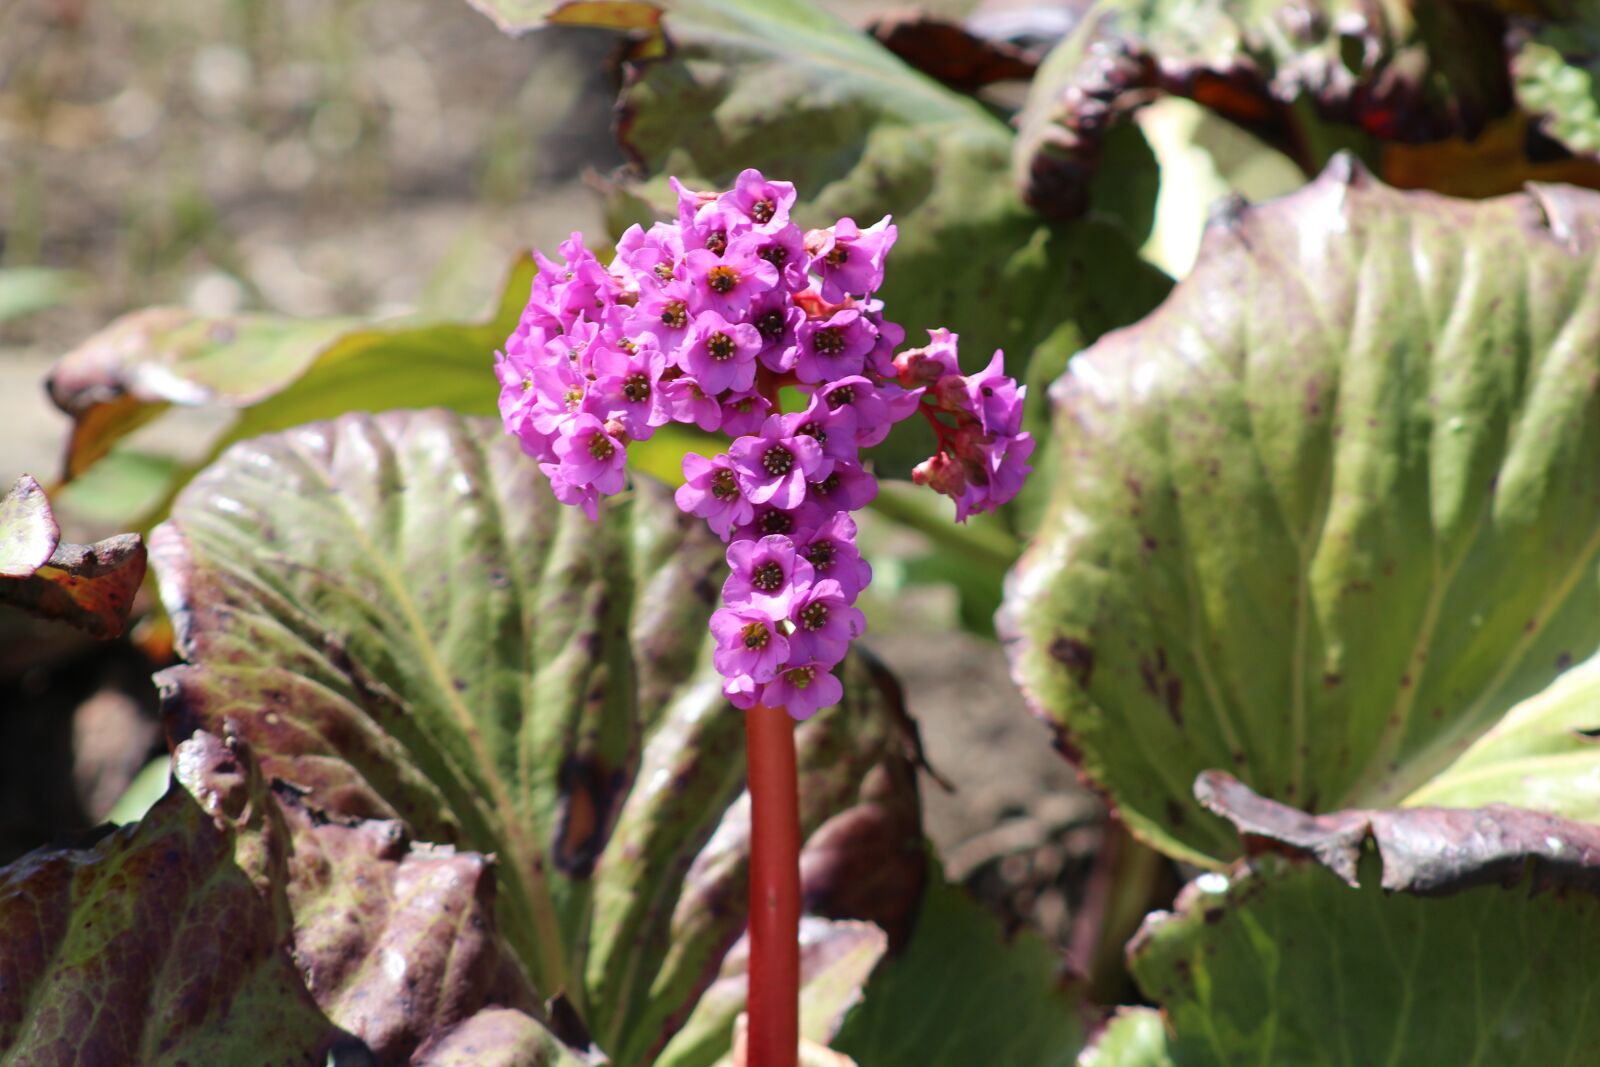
(828, 341)
(768, 576)
(819, 554)
(722, 279)
(827, 485)
(844, 394)
(762, 211)
(816, 432)
(628, 346)
(777, 255)
(775, 522)
(722, 485)
(636, 388)
(778, 461)
(838, 257)
(814, 616)
(771, 324)
(663, 271)
(675, 315)
(719, 346)
(717, 242)
(600, 447)
(756, 635)
(800, 677)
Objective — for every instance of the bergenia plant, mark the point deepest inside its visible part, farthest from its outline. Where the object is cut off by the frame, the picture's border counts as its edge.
(706, 320)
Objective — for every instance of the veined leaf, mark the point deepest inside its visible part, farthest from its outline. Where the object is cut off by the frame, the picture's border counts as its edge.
(1330, 513)
(400, 620)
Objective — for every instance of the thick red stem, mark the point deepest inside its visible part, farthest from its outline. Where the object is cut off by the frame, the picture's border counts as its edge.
(774, 1006)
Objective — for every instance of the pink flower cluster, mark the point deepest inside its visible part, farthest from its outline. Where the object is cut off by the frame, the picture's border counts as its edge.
(704, 321)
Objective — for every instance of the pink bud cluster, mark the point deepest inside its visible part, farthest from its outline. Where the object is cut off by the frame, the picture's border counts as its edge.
(705, 320)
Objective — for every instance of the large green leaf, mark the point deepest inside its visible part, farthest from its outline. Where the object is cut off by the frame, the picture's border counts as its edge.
(1330, 512)
(786, 87)
(399, 618)
(1451, 941)
(90, 586)
(964, 992)
(261, 373)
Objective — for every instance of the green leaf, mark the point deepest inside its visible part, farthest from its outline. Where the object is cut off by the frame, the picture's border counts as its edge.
(1328, 514)
(1448, 942)
(1555, 68)
(25, 290)
(788, 88)
(962, 993)
(1543, 755)
(400, 619)
(89, 586)
(1134, 1037)
(835, 960)
(261, 373)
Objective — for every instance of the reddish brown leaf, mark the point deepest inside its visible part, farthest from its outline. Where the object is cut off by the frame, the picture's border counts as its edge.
(950, 53)
(89, 586)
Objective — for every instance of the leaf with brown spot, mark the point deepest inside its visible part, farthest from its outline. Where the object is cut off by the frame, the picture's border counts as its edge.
(1368, 559)
(88, 586)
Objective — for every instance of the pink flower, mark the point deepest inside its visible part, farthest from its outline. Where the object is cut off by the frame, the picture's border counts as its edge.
(721, 355)
(767, 575)
(748, 643)
(830, 548)
(686, 401)
(850, 260)
(711, 491)
(726, 283)
(823, 623)
(590, 455)
(764, 203)
(775, 465)
(835, 347)
(803, 690)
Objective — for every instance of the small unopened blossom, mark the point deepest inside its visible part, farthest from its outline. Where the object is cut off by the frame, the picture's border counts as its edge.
(706, 320)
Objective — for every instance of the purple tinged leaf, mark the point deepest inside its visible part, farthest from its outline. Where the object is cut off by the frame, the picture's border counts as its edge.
(89, 586)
